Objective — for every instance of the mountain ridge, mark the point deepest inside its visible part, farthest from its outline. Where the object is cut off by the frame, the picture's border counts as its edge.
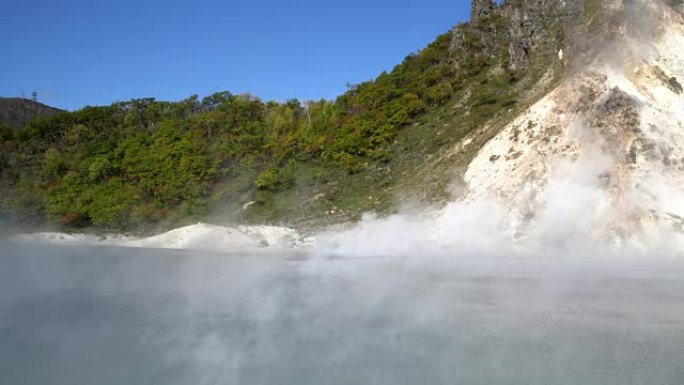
(407, 136)
(17, 112)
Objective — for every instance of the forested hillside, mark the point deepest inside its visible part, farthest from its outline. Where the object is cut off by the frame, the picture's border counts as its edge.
(17, 112)
(145, 163)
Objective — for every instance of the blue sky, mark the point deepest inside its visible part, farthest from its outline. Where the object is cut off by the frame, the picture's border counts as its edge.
(77, 53)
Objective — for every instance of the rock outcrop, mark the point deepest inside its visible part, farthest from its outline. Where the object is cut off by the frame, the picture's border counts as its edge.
(481, 9)
(514, 33)
(607, 141)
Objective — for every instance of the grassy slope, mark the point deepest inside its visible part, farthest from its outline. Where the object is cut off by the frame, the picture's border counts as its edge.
(427, 158)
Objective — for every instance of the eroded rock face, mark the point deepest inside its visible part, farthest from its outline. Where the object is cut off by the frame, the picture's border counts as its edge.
(481, 9)
(616, 119)
(521, 31)
(613, 131)
(513, 33)
(537, 27)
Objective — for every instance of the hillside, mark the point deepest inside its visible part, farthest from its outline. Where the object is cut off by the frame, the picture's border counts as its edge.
(606, 145)
(17, 112)
(403, 139)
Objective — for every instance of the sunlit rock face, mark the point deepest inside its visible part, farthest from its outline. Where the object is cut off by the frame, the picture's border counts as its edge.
(518, 30)
(480, 9)
(609, 138)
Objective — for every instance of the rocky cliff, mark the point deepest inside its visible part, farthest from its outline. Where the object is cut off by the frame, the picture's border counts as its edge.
(606, 145)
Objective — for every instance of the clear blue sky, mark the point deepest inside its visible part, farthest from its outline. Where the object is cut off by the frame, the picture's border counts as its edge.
(77, 52)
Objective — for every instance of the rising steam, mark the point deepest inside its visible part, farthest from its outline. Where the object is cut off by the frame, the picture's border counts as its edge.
(595, 165)
(535, 276)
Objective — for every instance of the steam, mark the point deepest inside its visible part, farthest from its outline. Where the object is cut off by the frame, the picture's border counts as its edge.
(550, 276)
(84, 315)
(569, 216)
(601, 171)
(608, 187)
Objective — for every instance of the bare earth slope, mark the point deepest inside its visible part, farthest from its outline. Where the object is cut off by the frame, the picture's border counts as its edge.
(608, 143)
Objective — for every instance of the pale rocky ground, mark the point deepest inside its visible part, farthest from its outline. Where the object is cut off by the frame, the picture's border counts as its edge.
(607, 144)
(196, 237)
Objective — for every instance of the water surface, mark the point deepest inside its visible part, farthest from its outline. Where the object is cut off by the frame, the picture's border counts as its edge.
(82, 315)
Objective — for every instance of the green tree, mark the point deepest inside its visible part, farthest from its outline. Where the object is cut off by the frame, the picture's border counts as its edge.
(6, 133)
